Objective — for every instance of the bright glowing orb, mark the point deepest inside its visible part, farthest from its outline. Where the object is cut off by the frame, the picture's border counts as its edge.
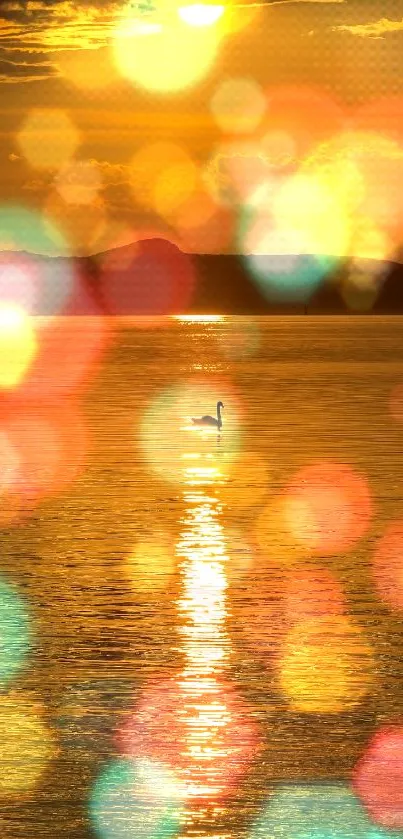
(238, 173)
(203, 730)
(238, 105)
(156, 176)
(283, 245)
(15, 634)
(307, 115)
(42, 449)
(327, 507)
(26, 745)
(24, 230)
(378, 777)
(202, 225)
(17, 285)
(307, 205)
(48, 138)
(327, 666)
(315, 811)
(135, 798)
(79, 182)
(17, 345)
(198, 318)
(167, 57)
(168, 436)
(30, 285)
(200, 14)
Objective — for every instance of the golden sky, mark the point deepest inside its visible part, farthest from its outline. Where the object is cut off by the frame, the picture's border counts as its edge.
(72, 107)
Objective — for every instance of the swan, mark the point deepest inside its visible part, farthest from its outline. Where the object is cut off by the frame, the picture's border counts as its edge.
(207, 420)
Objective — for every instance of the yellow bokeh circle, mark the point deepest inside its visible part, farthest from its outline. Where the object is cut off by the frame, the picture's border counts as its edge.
(26, 745)
(327, 666)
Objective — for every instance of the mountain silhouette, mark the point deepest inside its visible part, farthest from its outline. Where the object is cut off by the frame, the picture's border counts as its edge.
(153, 277)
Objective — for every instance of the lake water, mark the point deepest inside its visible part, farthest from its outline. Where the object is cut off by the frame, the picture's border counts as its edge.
(212, 621)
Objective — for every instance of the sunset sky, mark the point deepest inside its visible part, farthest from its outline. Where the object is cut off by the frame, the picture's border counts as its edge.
(62, 61)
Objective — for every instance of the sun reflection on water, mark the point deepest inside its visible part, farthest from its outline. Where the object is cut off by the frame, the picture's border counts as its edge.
(218, 740)
(202, 606)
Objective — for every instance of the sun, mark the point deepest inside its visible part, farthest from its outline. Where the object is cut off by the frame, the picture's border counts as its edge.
(198, 318)
(200, 14)
(171, 53)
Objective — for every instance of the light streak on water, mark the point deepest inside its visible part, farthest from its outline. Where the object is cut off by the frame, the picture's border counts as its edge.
(202, 613)
(215, 743)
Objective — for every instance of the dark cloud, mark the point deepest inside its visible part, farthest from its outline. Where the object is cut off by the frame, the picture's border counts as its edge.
(19, 56)
(24, 71)
(22, 68)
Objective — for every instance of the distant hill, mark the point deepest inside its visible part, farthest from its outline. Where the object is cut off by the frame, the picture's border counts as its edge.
(200, 284)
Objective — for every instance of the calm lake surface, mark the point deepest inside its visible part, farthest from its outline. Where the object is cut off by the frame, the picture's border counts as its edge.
(214, 621)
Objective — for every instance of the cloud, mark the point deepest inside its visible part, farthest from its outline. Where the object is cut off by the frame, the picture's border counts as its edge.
(24, 56)
(54, 25)
(49, 27)
(258, 5)
(5, 78)
(112, 174)
(378, 29)
(284, 2)
(24, 71)
(22, 68)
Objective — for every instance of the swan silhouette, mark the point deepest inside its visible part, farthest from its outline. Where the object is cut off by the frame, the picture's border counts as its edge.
(207, 420)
